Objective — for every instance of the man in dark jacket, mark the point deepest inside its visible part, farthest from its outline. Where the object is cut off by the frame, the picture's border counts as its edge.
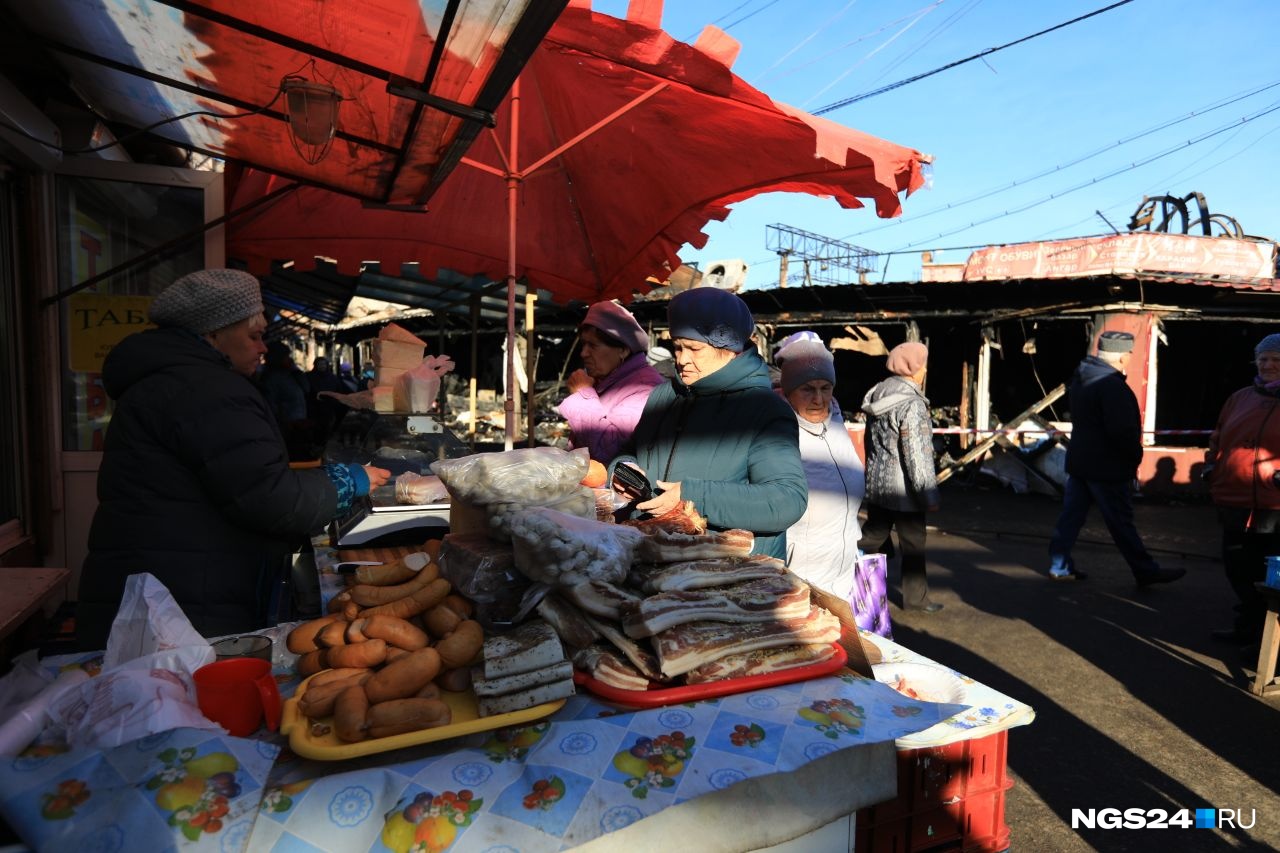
(195, 485)
(1102, 461)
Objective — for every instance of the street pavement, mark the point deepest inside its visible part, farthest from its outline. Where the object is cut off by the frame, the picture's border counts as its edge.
(1136, 707)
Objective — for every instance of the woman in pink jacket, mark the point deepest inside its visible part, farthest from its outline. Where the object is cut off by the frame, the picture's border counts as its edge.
(608, 393)
(1243, 469)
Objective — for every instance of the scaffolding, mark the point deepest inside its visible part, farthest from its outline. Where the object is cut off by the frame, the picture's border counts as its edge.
(826, 261)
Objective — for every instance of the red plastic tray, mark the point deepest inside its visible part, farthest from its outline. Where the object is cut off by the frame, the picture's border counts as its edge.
(655, 697)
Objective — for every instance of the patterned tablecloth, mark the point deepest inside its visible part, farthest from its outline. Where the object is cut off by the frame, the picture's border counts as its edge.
(588, 770)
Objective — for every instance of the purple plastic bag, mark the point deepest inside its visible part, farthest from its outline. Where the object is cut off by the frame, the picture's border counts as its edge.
(869, 601)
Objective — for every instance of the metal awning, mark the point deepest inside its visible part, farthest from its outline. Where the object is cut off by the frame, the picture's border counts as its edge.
(323, 293)
(418, 79)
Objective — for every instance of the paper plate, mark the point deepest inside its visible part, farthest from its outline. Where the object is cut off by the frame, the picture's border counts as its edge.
(921, 681)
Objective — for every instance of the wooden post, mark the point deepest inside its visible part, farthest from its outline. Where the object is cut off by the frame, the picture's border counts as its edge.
(965, 402)
(985, 444)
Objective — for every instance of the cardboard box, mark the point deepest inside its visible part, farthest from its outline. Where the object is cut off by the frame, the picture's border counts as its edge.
(396, 354)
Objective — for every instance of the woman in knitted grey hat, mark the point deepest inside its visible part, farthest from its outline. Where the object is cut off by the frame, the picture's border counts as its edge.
(717, 434)
(195, 485)
(822, 547)
(1243, 470)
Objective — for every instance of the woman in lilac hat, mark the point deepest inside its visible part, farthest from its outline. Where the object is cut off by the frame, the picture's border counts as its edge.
(608, 393)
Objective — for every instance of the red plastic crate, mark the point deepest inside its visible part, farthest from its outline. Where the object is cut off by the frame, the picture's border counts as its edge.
(949, 798)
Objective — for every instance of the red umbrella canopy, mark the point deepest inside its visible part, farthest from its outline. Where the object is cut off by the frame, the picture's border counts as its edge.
(621, 143)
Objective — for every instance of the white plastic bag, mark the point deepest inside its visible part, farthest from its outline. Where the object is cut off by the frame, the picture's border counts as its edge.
(416, 389)
(146, 682)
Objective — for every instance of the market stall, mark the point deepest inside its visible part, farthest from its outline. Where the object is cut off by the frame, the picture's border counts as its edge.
(479, 791)
(550, 679)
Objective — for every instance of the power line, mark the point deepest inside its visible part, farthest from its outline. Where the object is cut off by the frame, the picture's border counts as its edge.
(1099, 179)
(847, 101)
(1164, 125)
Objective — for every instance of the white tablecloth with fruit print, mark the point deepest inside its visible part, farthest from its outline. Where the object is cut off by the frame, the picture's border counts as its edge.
(589, 770)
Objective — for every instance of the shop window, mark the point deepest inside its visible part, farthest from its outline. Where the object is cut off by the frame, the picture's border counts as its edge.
(103, 223)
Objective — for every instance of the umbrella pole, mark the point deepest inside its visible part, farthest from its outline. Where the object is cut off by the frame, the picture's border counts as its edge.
(475, 361)
(512, 184)
(530, 362)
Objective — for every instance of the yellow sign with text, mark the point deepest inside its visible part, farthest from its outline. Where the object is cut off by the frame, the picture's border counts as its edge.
(96, 322)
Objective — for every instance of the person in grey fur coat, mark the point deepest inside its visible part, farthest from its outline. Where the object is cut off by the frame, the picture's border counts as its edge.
(901, 484)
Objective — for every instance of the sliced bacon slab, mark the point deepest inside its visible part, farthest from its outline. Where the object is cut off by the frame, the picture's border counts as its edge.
(760, 662)
(689, 646)
(663, 546)
(701, 574)
(777, 598)
(643, 660)
(575, 632)
(600, 598)
(605, 666)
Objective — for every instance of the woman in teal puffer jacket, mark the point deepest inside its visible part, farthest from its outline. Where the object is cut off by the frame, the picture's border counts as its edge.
(717, 434)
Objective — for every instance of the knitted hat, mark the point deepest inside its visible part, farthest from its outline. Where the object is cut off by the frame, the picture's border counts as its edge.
(806, 361)
(207, 300)
(619, 323)
(712, 316)
(781, 349)
(1115, 342)
(906, 359)
(1271, 343)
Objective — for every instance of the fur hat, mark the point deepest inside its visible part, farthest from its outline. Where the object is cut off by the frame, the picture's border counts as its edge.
(1115, 342)
(713, 316)
(207, 300)
(1271, 343)
(618, 323)
(805, 361)
(906, 359)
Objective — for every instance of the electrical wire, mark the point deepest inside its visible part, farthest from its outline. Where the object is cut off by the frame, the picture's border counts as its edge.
(821, 29)
(141, 131)
(946, 24)
(1164, 125)
(1135, 165)
(853, 100)
(798, 68)
(868, 56)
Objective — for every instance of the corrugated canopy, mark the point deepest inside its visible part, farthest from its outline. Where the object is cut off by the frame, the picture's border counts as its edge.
(142, 62)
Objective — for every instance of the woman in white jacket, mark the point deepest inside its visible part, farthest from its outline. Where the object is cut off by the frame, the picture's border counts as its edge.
(822, 547)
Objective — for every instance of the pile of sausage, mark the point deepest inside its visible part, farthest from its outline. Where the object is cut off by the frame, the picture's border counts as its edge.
(380, 662)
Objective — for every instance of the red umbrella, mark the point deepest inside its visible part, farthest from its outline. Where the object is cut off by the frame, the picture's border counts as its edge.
(615, 147)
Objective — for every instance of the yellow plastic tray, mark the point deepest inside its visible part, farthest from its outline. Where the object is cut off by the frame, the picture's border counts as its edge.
(466, 720)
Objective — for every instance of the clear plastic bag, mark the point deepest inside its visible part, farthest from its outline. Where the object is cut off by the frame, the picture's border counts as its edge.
(477, 567)
(581, 502)
(563, 550)
(416, 489)
(530, 475)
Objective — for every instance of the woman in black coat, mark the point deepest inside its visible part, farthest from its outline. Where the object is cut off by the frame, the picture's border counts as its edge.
(195, 485)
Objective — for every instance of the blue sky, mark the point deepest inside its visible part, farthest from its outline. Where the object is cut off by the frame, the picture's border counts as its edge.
(1153, 97)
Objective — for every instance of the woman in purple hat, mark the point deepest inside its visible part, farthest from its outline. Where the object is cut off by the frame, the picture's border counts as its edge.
(608, 393)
